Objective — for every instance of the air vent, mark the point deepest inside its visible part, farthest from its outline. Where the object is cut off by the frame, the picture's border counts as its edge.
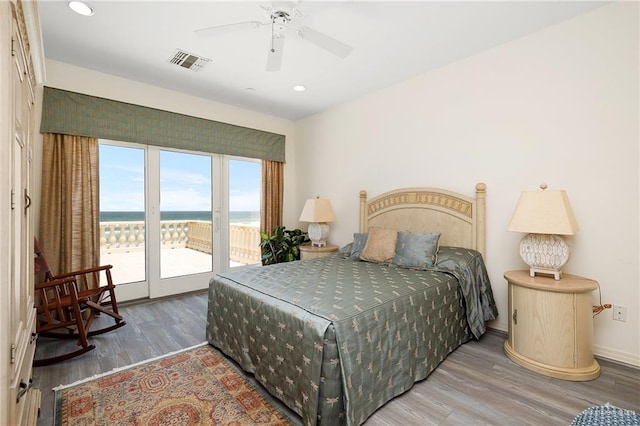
(188, 60)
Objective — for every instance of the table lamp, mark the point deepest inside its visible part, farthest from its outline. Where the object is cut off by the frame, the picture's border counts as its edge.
(545, 216)
(317, 211)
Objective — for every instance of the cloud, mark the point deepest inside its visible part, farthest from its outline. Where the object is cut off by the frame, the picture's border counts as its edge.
(187, 199)
(244, 201)
(126, 201)
(182, 177)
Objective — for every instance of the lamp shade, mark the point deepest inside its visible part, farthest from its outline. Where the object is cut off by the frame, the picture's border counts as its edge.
(544, 212)
(317, 210)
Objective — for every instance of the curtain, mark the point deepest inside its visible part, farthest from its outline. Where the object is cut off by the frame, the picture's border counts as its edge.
(272, 195)
(70, 211)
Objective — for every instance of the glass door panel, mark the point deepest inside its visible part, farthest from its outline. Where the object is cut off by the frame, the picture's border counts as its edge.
(122, 212)
(244, 212)
(185, 214)
(164, 214)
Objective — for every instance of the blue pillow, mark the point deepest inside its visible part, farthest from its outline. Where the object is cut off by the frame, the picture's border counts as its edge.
(359, 241)
(416, 250)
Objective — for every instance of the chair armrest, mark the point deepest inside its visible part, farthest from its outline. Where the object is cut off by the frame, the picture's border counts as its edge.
(58, 284)
(84, 271)
(59, 291)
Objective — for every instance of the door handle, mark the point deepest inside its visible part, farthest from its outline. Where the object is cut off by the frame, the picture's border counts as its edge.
(515, 316)
(27, 200)
(24, 388)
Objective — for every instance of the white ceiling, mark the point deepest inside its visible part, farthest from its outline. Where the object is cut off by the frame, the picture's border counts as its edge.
(392, 41)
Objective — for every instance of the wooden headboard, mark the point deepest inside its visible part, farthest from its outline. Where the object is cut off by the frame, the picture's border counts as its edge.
(460, 219)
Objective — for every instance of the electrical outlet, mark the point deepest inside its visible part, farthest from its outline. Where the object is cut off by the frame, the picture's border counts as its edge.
(620, 313)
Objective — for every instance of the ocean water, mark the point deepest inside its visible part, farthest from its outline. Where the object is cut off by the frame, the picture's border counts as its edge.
(235, 218)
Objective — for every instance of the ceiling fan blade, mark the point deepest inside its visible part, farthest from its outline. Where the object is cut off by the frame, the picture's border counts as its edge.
(274, 60)
(326, 42)
(229, 28)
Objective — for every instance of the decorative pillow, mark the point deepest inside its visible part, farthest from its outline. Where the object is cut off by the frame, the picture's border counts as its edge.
(381, 245)
(416, 250)
(359, 241)
(345, 251)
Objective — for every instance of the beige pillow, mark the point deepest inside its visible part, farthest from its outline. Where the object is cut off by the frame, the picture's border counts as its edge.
(381, 245)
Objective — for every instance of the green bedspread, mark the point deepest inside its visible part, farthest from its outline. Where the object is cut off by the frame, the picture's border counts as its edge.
(335, 339)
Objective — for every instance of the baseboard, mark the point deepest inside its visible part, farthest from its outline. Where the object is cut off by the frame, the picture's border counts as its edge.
(503, 333)
(621, 357)
(498, 325)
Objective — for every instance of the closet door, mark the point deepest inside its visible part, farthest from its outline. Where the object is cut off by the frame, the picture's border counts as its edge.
(23, 398)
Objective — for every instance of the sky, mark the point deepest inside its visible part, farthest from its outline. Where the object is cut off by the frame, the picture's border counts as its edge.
(185, 181)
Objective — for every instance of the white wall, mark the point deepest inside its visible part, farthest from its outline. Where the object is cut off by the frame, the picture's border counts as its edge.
(558, 106)
(82, 80)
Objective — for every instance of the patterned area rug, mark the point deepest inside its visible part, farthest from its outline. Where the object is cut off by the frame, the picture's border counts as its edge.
(197, 386)
(606, 415)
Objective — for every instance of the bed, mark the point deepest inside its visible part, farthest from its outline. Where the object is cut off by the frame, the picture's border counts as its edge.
(335, 338)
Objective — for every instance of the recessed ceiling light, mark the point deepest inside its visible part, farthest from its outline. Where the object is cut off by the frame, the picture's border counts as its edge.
(81, 8)
(299, 88)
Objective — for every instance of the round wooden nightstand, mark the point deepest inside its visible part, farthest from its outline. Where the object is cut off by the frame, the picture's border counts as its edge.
(551, 325)
(309, 252)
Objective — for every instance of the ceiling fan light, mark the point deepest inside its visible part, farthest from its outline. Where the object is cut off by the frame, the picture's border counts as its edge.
(81, 8)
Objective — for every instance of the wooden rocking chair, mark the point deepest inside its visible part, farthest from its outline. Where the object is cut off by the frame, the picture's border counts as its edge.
(58, 308)
(94, 292)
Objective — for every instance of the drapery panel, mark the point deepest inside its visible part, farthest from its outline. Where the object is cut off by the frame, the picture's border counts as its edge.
(70, 212)
(272, 195)
(72, 113)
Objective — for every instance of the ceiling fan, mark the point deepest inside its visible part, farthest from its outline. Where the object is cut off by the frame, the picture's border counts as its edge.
(282, 20)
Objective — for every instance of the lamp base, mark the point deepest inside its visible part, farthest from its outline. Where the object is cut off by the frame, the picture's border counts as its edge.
(556, 274)
(545, 254)
(318, 233)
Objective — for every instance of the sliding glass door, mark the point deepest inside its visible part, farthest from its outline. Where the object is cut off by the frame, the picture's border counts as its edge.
(244, 212)
(181, 235)
(122, 211)
(185, 214)
(170, 219)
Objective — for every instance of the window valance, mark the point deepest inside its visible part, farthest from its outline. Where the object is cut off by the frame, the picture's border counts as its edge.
(77, 114)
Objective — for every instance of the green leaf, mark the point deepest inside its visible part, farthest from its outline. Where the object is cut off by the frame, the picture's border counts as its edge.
(282, 246)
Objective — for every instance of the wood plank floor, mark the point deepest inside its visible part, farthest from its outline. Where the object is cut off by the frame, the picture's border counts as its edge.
(476, 385)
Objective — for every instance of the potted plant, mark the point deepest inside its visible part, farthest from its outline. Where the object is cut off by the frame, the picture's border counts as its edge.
(282, 246)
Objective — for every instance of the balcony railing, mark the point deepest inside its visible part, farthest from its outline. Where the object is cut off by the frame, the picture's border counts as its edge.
(244, 241)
